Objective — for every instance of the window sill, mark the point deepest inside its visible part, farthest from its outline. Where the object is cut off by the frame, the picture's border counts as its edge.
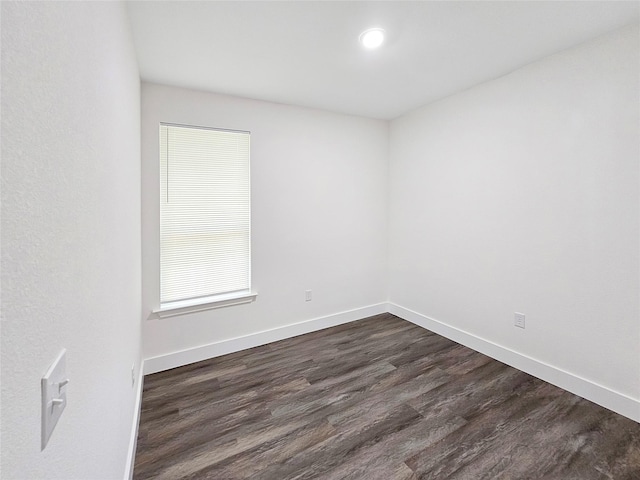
(182, 307)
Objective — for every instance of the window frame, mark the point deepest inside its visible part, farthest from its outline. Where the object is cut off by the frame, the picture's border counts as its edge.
(207, 302)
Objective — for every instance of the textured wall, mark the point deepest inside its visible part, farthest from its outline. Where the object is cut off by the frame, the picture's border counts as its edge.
(70, 234)
(318, 196)
(521, 195)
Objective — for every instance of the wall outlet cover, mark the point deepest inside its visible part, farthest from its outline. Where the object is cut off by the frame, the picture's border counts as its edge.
(54, 395)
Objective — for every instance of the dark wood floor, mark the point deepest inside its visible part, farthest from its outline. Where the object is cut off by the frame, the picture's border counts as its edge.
(375, 399)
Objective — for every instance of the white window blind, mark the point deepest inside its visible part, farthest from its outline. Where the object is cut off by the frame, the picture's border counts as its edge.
(205, 217)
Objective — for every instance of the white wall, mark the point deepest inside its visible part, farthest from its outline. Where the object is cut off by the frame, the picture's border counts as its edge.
(70, 234)
(319, 195)
(521, 194)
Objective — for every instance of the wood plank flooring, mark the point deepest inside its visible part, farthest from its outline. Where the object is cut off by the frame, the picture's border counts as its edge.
(375, 399)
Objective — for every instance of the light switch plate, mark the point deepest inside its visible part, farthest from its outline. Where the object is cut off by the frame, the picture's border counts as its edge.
(54, 395)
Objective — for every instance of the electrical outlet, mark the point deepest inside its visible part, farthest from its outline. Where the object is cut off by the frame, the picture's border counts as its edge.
(307, 295)
(133, 374)
(518, 319)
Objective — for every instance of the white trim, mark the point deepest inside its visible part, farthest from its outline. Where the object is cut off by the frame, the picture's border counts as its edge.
(204, 352)
(182, 307)
(133, 441)
(603, 396)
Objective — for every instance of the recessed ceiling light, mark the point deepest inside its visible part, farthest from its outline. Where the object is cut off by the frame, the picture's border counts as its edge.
(372, 38)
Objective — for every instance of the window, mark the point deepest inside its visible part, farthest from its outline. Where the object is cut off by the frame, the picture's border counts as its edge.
(205, 217)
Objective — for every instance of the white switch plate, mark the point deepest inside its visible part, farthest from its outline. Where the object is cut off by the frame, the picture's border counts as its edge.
(518, 319)
(54, 395)
(307, 295)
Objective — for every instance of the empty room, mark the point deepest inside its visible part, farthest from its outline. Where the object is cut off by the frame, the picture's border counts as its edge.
(320, 240)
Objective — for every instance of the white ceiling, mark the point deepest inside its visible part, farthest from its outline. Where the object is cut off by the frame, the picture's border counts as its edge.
(307, 53)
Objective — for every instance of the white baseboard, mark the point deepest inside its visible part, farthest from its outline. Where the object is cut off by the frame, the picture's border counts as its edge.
(204, 352)
(603, 396)
(616, 401)
(133, 441)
